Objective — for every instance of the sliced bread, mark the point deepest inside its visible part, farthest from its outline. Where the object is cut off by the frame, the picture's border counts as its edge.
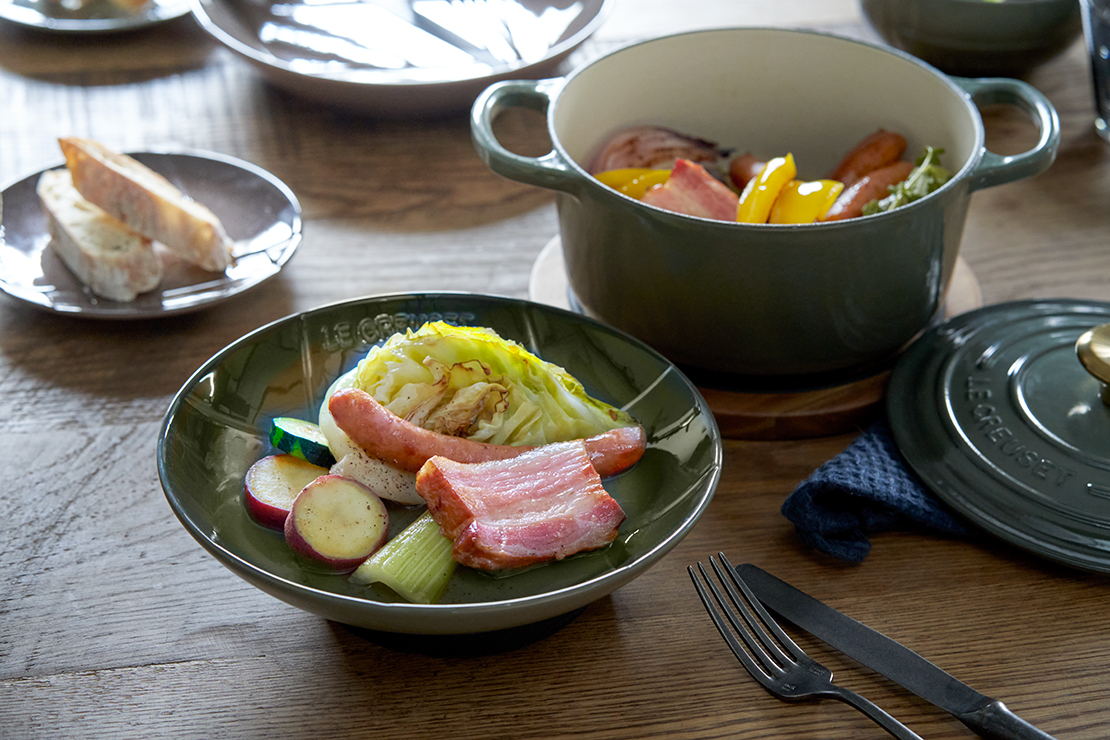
(111, 259)
(148, 203)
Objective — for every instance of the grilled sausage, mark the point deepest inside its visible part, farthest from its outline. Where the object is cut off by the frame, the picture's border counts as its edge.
(875, 185)
(743, 168)
(389, 438)
(878, 150)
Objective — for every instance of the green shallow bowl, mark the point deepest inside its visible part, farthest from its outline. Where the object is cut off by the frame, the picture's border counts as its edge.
(218, 423)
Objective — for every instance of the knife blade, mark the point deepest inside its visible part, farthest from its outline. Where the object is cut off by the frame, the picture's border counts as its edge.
(985, 716)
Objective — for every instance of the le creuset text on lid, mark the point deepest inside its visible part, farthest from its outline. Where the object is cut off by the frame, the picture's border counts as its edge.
(996, 413)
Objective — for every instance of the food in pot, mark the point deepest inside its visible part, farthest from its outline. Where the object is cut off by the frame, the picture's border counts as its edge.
(635, 181)
(759, 195)
(744, 167)
(759, 190)
(870, 187)
(802, 202)
(927, 176)
(880, 149)
(691, 190)
(653, 148)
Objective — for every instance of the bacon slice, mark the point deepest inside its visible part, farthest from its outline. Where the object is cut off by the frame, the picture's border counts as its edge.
(388, 437)
(695, 192)
(545, 504)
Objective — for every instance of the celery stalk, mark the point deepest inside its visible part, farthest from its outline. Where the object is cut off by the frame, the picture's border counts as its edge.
(416, 563)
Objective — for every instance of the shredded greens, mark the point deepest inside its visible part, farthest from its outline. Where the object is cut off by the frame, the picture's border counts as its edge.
(926, 177)
(469, 382)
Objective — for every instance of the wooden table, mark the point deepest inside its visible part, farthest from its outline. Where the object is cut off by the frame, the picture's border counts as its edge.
(115, 624)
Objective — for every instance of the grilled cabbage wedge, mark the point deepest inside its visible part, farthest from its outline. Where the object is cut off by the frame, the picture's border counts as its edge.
(470, 382)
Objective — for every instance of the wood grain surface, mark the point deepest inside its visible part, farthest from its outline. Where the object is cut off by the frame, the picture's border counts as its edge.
(114, 623)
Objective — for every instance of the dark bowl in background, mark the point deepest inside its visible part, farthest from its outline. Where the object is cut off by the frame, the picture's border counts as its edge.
(977, 38)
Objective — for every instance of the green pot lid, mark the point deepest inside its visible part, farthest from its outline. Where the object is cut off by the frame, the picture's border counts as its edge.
(997, 414)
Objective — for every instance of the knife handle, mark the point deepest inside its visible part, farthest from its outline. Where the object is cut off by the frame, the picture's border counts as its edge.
(995, 721)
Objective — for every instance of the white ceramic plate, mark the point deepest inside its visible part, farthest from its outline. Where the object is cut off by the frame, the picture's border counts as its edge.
(400, 57)
(259, 212)
(96, 16)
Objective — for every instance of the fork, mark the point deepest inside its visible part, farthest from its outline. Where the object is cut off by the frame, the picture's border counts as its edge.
(773, 659)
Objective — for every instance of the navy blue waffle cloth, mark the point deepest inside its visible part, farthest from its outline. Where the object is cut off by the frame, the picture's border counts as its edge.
(864, 490)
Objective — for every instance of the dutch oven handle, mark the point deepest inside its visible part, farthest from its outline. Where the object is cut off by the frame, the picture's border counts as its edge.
(995, 169)
(551, 170)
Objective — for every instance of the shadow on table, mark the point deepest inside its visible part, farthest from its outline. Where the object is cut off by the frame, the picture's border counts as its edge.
(461, 646)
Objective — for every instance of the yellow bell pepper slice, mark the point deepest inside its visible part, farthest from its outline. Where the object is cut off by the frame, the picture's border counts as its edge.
(802, 202)
(633, 181)
(761, 191)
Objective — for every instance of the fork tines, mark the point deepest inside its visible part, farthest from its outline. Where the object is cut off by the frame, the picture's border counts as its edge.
(752, 634)
(768, 654)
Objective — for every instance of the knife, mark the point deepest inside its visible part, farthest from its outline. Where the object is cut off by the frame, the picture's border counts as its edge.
(985, 716)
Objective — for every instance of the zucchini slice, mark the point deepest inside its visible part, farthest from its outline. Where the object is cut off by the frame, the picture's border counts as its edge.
(301, 439)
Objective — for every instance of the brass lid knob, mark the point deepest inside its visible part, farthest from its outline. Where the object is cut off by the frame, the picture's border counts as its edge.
(1093, 348)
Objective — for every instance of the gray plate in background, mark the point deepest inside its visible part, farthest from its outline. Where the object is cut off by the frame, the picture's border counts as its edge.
(259, 212)
(98, 16)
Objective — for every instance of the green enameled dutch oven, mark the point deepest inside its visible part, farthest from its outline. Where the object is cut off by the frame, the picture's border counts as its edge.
(763, 300)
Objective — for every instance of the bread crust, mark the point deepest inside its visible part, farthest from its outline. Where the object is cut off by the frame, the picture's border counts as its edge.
(147, 203)
(111, 259)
